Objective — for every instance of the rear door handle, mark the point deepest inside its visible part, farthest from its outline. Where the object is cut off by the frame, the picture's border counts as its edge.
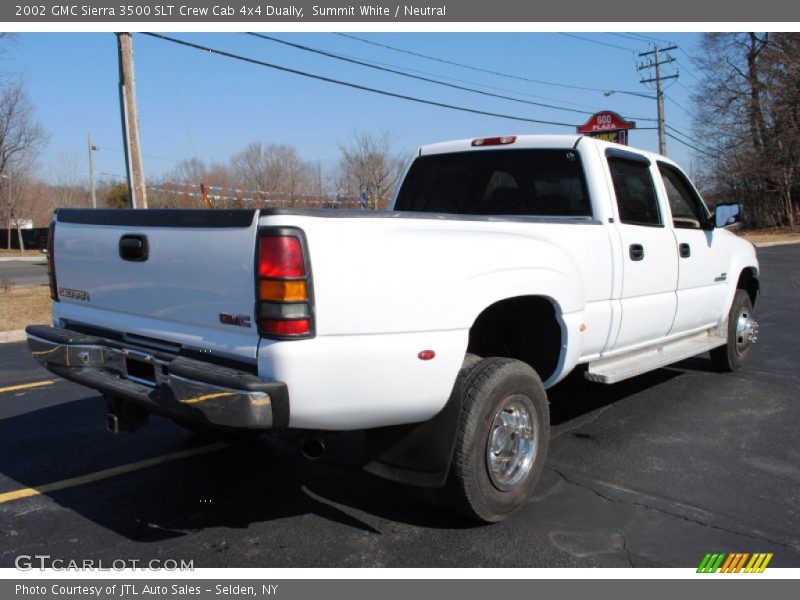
(636, 252)
(685, 250)
(134, 247)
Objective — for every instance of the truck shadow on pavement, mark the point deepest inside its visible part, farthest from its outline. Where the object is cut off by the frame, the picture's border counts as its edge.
(232, 487)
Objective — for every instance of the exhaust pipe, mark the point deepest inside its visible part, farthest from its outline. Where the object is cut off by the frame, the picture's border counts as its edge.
(313, 447)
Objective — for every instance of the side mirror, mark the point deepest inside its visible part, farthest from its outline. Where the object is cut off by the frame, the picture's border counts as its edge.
(728, 214)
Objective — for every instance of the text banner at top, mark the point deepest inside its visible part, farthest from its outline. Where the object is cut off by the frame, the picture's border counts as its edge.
(435, 11)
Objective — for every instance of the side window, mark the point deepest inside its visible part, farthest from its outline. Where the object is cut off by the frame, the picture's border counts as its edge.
(636, 194)
(687, 209)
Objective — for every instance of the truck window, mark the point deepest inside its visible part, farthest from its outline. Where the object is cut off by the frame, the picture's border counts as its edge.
(497, 182)
(688, 211)
(636, 194)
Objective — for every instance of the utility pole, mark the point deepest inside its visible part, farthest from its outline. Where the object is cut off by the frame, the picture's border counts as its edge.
(655, 63)
(92, 149)
(130, 122)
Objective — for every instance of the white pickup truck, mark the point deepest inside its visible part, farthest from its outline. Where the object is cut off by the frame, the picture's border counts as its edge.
(503, 265)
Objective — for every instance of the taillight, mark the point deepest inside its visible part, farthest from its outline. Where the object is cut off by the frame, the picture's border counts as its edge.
(51, 269)
(285, 304)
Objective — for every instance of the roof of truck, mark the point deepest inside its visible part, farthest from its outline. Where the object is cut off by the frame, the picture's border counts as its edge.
(529, 141)
(524, 141)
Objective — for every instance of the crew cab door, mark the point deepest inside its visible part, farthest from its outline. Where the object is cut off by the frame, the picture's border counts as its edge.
(702, 261)
(648, 262)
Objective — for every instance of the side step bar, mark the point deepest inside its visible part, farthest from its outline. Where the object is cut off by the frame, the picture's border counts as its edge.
(619, 368)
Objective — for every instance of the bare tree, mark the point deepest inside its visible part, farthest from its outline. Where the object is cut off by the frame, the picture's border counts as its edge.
(369, 165)
(275, 169)
(21, 137)
(748, 114)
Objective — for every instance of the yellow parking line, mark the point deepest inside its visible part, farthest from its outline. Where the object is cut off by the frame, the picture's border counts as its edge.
(107, 473)
(26, 386)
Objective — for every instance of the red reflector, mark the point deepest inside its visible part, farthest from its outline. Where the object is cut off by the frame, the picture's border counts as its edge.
(280, 256)
(495, 141)
(274, 327)
(426, 355)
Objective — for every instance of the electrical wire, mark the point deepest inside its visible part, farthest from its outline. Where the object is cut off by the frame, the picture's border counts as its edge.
(417, 77)
(687, 144)
(349, 84)
(647, 38)
(591, 41)
(479, 69)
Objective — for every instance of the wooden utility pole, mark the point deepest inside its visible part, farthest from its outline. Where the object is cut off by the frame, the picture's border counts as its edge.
(655, 63)
(130, 122)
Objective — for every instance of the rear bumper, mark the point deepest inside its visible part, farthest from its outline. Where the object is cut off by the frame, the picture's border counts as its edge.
(172, 386)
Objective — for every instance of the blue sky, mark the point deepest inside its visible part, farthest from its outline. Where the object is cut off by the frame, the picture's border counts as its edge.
(192, 103)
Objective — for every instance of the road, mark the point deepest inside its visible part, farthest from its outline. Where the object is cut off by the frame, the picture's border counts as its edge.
(24, 272)
(655, 471)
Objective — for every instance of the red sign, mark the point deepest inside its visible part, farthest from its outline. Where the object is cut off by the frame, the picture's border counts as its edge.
(607, 125)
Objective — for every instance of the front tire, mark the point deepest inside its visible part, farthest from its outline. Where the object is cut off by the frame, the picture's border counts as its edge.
(742, 333)
(502, 440)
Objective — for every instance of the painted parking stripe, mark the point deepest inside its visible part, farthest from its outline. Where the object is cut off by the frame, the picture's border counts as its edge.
(108, 473)
(27, 386)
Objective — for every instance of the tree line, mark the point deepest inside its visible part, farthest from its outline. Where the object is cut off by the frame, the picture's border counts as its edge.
(747, 118)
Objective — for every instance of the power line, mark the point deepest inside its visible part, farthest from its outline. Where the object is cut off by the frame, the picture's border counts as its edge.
(681, 106)
(688, 145)
(417, 77)
(680, 85)
(479, 69)
(154, 157)
(349, 84)
(591, 41)
(647, 38)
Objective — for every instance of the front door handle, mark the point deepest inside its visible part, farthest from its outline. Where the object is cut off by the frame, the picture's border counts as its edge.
(636, 252)
(685, 250)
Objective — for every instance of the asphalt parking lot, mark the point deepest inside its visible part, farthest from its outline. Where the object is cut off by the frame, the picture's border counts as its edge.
(655, 471)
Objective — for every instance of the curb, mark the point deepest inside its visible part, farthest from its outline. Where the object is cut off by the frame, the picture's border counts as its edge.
(17, 335)
(43, 257)
(770, 244)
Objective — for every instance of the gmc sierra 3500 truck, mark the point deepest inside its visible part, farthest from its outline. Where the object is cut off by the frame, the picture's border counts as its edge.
(503, 265)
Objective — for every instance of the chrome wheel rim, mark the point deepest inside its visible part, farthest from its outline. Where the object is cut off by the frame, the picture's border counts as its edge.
(512, 444)
(746, 330)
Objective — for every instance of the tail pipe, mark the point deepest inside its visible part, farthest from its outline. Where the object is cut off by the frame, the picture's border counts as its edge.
(313, 447)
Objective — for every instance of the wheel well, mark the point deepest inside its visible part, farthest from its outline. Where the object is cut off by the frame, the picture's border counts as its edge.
(525, 328)
(748, 281)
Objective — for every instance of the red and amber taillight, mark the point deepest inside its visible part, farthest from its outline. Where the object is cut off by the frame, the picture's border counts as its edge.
(51, 268)
(285, 305)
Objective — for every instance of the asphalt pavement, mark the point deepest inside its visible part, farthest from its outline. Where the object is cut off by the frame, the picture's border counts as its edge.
(655, 471)
(24, 272)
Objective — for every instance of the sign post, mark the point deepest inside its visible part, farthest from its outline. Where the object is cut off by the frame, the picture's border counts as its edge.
(608, 126)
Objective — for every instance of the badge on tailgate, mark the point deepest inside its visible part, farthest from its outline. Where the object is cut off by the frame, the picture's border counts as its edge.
(74, 294)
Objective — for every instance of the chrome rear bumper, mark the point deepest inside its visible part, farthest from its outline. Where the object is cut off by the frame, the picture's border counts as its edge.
(174, 386)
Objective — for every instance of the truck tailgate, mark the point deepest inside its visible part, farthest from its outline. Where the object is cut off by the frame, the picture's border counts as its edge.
(184, 277)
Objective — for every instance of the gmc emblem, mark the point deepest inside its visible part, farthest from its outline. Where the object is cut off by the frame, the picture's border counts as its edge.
(238, 320)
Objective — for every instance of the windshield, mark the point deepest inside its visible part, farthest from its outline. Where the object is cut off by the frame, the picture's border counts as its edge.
(497, 182)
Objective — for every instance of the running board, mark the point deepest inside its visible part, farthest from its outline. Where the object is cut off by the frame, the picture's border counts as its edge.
(618, 368)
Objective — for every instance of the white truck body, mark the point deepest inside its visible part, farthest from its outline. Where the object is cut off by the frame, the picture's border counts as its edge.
(388, 286)
(618, 266)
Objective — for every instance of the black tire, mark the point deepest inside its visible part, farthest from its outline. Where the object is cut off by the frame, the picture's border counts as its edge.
(494, 386)
(732, 355)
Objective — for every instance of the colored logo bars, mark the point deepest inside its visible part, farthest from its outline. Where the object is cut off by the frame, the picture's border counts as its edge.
(734, 563)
